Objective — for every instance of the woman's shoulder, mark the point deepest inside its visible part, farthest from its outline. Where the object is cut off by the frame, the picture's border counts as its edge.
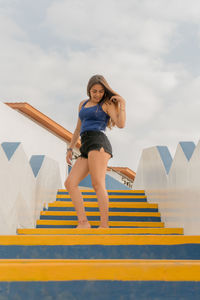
(81, 103)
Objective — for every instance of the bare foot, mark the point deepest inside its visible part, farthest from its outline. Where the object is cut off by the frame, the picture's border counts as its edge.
(103, 226)
(83, 224)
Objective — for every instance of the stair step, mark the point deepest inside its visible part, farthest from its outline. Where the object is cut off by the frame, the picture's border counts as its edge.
(113, 206)
(101, 231)
(95, 216)
(96, 239)
(111, 209)
(123, 204)
(101, 269)
(91, 213)
(110, 192)
(98, 247)
(189, 251)
(96, 223)
(101, 290)
(112, 198)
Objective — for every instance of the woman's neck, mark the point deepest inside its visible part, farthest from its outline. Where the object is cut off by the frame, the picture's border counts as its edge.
(92, 102)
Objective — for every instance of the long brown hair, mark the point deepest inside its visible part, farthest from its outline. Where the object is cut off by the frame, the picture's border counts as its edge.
(109, 92)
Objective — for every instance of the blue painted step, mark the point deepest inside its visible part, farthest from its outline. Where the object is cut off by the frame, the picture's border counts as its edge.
(110, 200)
(100, 290)
(111, 209)
(109, 193)
(111, 218)
(181, 251)
(95, 226)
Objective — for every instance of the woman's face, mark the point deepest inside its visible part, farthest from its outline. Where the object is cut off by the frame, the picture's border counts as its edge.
(96, 92)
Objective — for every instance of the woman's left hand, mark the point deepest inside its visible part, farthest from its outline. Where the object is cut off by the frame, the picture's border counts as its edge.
(116, 99)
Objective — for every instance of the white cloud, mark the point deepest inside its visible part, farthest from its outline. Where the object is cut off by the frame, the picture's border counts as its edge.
(104, 25)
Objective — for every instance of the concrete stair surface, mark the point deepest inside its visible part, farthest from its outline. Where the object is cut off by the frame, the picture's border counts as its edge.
(137, 257)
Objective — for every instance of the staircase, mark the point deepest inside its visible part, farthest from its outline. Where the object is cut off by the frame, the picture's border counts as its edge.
(137, 257)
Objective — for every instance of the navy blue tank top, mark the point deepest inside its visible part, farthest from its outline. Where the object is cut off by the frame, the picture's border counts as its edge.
(93, 118)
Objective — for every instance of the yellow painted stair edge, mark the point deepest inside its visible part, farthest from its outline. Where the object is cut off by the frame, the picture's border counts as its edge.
(110, 196)
(97, 231)
(111, 204)
(96, 223)
(115, 191)
(98, 239)
(99, 269)
(97, 213)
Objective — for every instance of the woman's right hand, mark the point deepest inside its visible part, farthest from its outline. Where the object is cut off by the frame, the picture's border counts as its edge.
(69, 157)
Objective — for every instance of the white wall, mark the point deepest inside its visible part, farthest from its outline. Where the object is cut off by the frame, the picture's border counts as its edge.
(23, 193)
(173, 183)
(35, 139)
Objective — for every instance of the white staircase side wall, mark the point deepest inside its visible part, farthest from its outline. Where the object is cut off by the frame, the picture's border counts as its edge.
(22, 193)
(151, 176)
(178, 192)
(176, 189)
(48, 181)
(193, 197)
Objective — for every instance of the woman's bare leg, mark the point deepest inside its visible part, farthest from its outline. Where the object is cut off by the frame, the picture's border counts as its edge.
(78, 172)
(97, 162)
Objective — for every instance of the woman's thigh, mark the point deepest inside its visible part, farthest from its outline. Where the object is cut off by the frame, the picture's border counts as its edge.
(97, 162)
(78, 172)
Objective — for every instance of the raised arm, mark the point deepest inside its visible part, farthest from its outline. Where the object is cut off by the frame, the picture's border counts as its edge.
(117, 112)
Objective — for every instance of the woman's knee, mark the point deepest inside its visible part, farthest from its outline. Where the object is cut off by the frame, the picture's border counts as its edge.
(66, 184)
(70, 184)
(98, 184)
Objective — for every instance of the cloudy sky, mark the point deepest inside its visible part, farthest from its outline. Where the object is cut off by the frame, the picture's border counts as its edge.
(148, 50)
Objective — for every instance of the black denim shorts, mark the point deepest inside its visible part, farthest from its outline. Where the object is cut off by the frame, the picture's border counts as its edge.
(94, 140)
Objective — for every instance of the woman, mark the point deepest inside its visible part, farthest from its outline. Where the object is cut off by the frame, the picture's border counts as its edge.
(104, 108)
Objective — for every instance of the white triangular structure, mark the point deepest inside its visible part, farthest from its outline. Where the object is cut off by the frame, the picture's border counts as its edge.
(175, 187)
